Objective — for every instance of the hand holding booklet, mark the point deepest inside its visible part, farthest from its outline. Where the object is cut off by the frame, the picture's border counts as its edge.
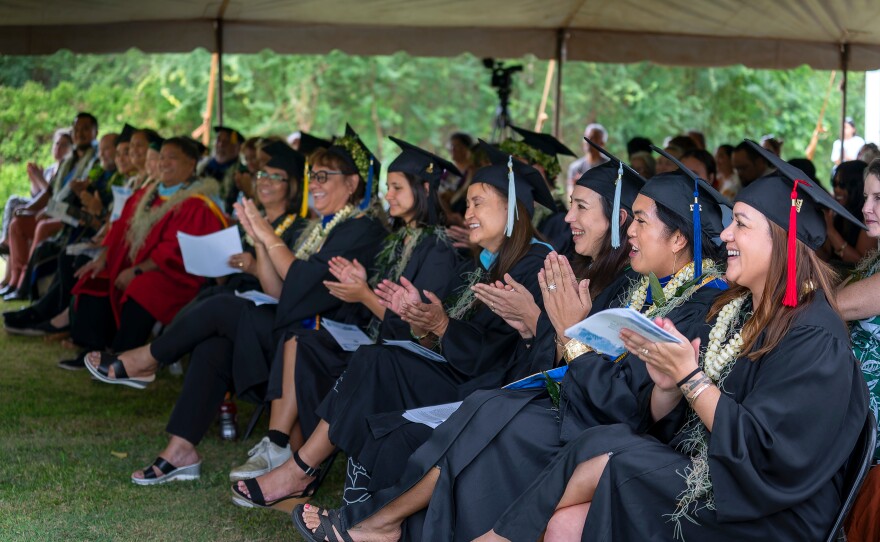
(601, 331)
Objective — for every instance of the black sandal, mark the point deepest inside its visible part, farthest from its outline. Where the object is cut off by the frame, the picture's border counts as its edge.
(110, 361)
(284, 504)
(325, 530)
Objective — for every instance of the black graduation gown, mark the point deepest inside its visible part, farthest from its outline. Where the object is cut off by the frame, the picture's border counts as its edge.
(320, 360)
(783, 430)
(386, 379)
(557, 231)
(498, 441)
(262, 330)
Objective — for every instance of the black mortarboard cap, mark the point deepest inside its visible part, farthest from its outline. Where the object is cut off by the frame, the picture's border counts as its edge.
(198, 144)
(346, 147)
(421, 163)
(282, 156)
(309, 143)
(545, 143)
(528, 182)
(676, 191)
(236, 136)
(125, 134)
(617, 182)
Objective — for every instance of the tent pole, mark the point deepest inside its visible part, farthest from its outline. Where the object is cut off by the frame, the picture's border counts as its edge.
(218, 34)
(844, 63)
(561, 39)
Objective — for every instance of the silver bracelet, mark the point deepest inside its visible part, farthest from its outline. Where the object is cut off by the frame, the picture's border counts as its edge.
(693, 398)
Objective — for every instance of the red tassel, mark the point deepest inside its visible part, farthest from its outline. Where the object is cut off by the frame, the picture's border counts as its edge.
(791, 288)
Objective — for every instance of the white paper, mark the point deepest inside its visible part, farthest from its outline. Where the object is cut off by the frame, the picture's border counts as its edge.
(349, 337)
(432, 416)
(120, 196)
(258, 298)
(417, 349)
(58, 210)
(601, 332)
(208, 255)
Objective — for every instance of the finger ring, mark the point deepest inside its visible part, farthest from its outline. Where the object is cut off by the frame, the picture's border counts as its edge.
(493, 307)
(551, 286)
(241, 264)
(250, 215)
(644, 351)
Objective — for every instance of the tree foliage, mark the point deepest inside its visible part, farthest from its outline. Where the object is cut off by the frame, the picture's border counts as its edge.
(421, 100)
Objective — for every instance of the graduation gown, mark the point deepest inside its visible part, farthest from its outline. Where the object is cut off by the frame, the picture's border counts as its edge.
(319, 358)
(164, 291)
(379, 379)
(498, 441)
(304, 300)
(784, 427)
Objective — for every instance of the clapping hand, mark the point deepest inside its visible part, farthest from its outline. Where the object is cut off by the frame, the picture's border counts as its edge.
(352, 276)
(566, 300)
(393, 296)
(511, 301)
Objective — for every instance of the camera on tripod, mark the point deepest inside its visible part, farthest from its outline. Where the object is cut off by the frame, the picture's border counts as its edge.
(500, 73)
(501, 82)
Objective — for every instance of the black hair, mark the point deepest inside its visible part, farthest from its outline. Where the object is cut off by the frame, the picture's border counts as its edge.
(674, 223)
(638, 144)
(89, 116)
(806, 165)
(705, 157)
(426, 204)
(727, 149)
(851, 174)
(604, 269)
(185, 145)
(464, 138)
(750, 152)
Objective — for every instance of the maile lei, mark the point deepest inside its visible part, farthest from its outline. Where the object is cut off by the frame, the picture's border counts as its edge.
(716, 360)
(678, 290)
(315, 235)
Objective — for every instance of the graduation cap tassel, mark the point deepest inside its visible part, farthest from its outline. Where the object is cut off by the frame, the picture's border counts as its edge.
(791, 290)
(304, 207)
(698, 237)
(615, 214)
(511, 198)
(369, 194)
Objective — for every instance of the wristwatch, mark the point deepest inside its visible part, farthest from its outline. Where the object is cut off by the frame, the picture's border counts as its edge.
(138, 271)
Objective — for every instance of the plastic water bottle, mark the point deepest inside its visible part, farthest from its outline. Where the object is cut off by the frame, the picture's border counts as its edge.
(228, 420)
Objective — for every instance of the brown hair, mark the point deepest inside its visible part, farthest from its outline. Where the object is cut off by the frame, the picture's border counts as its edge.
(325, 158)
(771, 317)
(873, 168)
(603, 270)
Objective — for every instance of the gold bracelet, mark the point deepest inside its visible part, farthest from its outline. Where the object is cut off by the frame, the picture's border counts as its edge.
(693, 398)
(573, 349)
(276, 245)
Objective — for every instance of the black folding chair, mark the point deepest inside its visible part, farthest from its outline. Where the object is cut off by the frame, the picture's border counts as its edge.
(856, 470)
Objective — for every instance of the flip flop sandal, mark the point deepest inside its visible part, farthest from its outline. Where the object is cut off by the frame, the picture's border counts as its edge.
(325, 529)
(169, 473)
(109, 361)
(284, 504)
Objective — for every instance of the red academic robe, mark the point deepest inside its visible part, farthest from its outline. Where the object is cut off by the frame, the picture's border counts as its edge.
(164, 291)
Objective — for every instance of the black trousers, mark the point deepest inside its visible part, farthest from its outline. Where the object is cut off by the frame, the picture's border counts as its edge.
(57, 297)
(206, 332)
(93, 326)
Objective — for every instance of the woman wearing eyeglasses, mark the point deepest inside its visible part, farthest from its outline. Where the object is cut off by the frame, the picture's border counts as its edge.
(232, 342)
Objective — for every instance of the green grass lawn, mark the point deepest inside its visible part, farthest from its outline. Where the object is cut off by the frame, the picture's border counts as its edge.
(60, 481)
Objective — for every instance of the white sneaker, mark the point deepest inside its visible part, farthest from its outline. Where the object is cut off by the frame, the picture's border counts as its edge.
(264, 457)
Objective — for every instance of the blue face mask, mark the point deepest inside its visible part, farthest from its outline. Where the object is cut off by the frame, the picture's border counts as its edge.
(168, 191)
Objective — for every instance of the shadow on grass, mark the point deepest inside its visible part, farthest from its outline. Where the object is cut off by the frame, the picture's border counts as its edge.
(60, 481)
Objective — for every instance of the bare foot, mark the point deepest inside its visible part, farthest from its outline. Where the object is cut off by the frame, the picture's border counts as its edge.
(177, 455)
(138, 363)
(362, 532)
(287, 479)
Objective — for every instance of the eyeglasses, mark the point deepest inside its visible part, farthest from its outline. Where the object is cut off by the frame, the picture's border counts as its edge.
(321, 177)
(262, 175)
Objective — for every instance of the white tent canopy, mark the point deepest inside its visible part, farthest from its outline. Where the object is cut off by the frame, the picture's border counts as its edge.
(758, 33)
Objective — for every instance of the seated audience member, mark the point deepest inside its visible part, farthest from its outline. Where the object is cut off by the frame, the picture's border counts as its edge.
(749, 164)
(869, 153)
(698, 138)
(846, 243)
(644, 163)
(700, 161)
(596, 133)
(139, 279)
(24, 224)
(859, 304)
(223, 163)
(727, 180)
(772, 144)
(715, 457)
(664, 164)
(805, 165)
(638, 144)
(683, 142)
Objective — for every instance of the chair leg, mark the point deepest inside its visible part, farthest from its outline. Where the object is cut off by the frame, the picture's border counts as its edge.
(258, 413)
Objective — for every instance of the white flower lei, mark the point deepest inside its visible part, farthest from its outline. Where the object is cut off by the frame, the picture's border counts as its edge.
(717, 356)
(317, 233)
(640, 294)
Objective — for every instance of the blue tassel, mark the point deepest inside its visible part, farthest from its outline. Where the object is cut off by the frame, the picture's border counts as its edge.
(698, 243)
(512, 213)
(369, 193)
(615, 213)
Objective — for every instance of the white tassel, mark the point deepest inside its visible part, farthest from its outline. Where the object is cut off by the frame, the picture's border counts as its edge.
(615, 213)
(512, 213)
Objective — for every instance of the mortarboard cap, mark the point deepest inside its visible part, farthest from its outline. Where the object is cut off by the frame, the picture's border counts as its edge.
(517, 180)
(615, 181)
(421, 163)
(282, 156)
(545, 143)
(692, 199)
(309, 143)
(358, 156)
(790, 199)
(126, 133)
(537, 148)
(234, 134)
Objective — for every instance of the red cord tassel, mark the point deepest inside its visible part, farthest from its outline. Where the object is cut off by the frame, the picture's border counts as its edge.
(791, 288)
